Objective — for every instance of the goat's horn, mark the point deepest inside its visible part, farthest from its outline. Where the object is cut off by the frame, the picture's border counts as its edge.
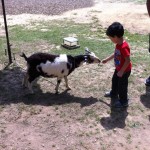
(87, 50)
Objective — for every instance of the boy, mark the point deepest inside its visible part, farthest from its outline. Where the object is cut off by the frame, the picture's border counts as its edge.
(123, 65)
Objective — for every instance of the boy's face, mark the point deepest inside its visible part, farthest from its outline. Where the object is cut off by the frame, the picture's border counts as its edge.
(114, 39)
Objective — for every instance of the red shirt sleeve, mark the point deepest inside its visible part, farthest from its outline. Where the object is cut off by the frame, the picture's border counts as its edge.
(125, 50)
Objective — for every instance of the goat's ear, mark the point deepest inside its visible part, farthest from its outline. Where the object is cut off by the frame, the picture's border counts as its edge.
(87, 51)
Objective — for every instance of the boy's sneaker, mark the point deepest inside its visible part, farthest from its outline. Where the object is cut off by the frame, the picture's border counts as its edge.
(108, 94)
(120, 105)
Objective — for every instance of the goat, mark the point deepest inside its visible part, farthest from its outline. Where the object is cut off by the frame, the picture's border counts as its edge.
(49, 65)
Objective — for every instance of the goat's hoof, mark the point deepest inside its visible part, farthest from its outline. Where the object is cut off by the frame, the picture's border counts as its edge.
(24, 86)
(56, 92)
(68, 88)
(31, 92)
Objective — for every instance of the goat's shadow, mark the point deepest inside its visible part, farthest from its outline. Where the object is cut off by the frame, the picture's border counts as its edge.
(49, 99)
(11, 91)
(116, 119)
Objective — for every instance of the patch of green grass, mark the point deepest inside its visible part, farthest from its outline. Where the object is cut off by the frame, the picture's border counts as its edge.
(136, 1)
(57, 31)
(129, 138)
(134, 124)
(140, 1)
(2, 49)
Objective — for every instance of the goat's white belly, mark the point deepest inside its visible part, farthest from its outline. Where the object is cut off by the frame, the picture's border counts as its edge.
(58, 69)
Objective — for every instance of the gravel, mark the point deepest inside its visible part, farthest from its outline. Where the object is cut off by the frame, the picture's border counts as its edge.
(46, 7)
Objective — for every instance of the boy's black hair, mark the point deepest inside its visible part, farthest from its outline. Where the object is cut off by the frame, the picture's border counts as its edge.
(115, 29)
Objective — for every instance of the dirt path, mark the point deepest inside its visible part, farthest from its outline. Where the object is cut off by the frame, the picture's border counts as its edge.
(133, 16)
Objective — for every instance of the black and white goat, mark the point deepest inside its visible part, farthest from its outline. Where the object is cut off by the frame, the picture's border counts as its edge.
(60, 66)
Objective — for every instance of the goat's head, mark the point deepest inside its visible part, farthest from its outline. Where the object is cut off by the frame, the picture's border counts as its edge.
(90, 57)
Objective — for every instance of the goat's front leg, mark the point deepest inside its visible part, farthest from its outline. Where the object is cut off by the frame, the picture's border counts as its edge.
(66, 81)
(30, 87)
(25, 80)
(30, 82)
(57, 86)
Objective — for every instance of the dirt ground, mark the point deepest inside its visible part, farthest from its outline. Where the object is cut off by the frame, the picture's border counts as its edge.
(80, 119)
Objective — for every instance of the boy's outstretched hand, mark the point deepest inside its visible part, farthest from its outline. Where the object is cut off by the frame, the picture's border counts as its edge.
(108, 58)
(104, 61)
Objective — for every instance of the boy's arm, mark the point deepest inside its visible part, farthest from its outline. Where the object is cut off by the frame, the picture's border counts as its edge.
(108, 58)
(126, 63)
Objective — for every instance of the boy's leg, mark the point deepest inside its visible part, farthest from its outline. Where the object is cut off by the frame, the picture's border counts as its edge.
(113, 93)
(114, 88)
(123, 88)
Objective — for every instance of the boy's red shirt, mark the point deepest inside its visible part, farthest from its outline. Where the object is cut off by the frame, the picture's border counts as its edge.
(121, 52)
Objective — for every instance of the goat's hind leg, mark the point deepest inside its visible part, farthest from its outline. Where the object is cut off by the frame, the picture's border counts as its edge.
(30, 87)
(30, 82)
(66, 81)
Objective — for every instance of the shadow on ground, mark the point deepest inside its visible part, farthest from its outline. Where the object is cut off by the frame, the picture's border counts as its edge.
(115, 120)
(145, 100)
(13, 92)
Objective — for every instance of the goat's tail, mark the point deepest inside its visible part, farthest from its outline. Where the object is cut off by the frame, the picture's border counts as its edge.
(24, 56)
